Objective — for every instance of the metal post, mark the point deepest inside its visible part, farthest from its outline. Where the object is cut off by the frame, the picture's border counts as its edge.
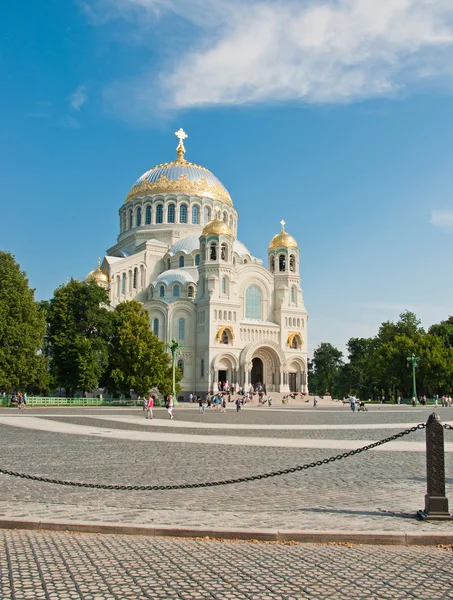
(414, 360)
(436, 502)
(174, 346)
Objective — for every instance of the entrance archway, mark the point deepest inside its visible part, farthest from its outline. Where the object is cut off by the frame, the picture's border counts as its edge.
(257, 375)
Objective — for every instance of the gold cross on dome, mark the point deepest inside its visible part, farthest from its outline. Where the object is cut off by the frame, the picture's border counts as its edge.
(180, 150)
(283, 223)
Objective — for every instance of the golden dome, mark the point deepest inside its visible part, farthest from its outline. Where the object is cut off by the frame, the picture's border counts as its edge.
(217, 227)
(282, 239)
(180, 177)
(98, 276)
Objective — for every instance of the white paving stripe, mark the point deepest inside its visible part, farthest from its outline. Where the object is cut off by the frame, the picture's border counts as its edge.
(40, 424)
(243, 426)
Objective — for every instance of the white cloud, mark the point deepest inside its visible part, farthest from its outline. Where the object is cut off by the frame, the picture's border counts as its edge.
(249, 51)
(78, 98)
(442, 219)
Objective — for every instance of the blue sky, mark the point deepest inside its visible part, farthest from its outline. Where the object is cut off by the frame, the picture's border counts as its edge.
(334, 115)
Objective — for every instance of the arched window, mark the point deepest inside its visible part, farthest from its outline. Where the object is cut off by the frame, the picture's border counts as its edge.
(197, 259)
(225, 338)
(138, 219)
(231, 222)
(213, 252)
(134, 283)
(181, 262)
(298, 322)
(118, 285)
(176, 291)
(295, 342)
(292, 263)
(229, 315)
(161, 291)
(159, 213)
(171, 213)
(207, 214)
(225, 217)
(131, 216)
(272, 263)
(252, 303)
(156, 326)
(224, 285)
(151, 293)
(183, 213)
(181, 366)
(293, 294)
(224, 252)
(190, 291)
(181, 328)
(202, 367)
(195, 215)
(148, 215)
(123, 283)
(282, 263)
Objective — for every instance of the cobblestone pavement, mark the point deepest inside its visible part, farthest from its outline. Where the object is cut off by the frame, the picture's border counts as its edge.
(64, 566)
(372, 491)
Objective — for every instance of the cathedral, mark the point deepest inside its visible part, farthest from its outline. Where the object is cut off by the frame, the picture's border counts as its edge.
(235, 319)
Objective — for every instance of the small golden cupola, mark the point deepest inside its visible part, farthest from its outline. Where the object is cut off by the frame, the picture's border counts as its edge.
(217, 227)
(98, 276)
(282, 239)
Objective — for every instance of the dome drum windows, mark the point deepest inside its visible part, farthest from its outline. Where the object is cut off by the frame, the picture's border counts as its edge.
(213, 252)
(195, 214)
(159, 214)
(183, 213)
(190, 291)
(181, 262)
(171, 213)
(197, 260)
(131, 219)
(176, 291)
(148, 215)
(161, 291)
(138, 217)
(282, 263)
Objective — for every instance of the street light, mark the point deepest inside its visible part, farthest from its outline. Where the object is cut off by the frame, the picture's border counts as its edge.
(414, 360)
(174, 347)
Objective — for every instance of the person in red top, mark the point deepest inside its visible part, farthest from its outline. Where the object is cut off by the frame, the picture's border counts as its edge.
(149, 407)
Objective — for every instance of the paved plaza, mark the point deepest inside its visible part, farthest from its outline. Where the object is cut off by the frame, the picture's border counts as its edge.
(378, 490)
(64, 566)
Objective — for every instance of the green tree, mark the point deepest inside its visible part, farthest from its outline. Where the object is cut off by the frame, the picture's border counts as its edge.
(138, 359)
(356, 376)
(444, 330)
(78, 332)
(22, 327)
(435, 368)
(327, 361)
(408, 325)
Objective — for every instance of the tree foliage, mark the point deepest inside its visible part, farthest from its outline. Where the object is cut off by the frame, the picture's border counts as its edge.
(327, 361)
(22, 327)
(378, 366)
(138, 359)
(78, 332)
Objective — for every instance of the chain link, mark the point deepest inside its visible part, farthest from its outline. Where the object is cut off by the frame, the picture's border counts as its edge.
(188, 486)
(447, 426)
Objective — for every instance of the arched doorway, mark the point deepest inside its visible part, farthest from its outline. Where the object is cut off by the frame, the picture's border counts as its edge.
(257, 371)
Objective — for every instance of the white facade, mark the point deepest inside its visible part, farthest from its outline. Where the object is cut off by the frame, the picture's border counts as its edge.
(177, 253)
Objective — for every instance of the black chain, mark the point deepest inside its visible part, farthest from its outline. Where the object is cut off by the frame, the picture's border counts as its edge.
(187, 486)
(447, 426)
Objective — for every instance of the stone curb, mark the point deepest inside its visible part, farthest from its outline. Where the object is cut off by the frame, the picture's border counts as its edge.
(388, 538)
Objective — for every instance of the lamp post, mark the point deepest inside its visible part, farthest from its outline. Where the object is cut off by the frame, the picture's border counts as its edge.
(174, 347)
(413, 360)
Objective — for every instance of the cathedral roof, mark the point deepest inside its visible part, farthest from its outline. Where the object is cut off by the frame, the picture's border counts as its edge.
(191, 242)
(174, 276)
(180, 176)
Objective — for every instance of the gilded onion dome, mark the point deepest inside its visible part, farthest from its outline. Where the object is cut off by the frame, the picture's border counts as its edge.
(217, 227)
(98, 276)
(282, 239)
(180, 176)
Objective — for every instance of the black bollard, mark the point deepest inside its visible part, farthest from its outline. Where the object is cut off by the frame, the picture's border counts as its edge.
(436, 502)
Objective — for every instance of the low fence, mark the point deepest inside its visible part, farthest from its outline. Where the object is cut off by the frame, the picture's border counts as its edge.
(52, 401)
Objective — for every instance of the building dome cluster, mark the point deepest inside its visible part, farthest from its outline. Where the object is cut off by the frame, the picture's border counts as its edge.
(235, 319)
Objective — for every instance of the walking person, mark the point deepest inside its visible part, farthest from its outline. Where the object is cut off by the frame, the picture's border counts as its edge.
(170, 406)
(200, 404)
(238, 405)
(149, 407)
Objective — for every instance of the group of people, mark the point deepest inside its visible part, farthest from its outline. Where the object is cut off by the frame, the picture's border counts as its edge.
(356, 404)
(18, 398)
(148, 405)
